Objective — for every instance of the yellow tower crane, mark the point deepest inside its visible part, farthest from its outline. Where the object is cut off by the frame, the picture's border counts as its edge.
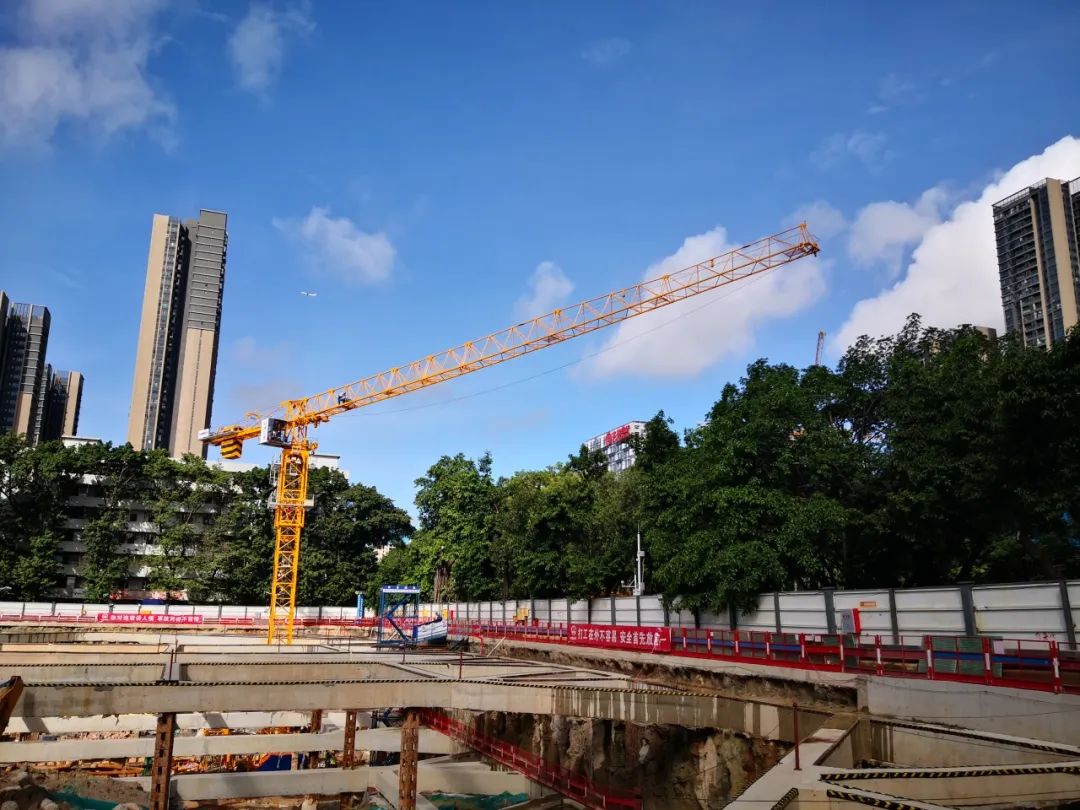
(287, 426)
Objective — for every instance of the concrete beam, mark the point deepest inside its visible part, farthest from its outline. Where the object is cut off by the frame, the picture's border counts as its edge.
(252, 721)
(473, 778)
(380, 739)
(645, 707)
(1021, 712)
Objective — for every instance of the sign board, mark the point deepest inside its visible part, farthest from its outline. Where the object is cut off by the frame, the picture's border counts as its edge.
(619, 434)
(646, 639)
(849, 622)
(868, 604)
(147, 618)
(400, 589)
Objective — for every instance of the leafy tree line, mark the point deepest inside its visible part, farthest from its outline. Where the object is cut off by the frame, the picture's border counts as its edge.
(193, 526)
(925, 458)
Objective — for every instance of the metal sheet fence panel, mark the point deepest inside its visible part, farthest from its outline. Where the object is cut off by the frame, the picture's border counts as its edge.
(761, 619)
(1020, 610)
(579, 611)
(1073, 589)
(930, 610)
(682, 618)
(652, 610)
(601, 610)
(802, 612)
(873, 607)
(625, 611)
(558, 611)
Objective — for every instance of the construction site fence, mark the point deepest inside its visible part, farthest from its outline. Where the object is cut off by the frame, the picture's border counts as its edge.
(1048, 666)
(1047, 611)
(575, 786)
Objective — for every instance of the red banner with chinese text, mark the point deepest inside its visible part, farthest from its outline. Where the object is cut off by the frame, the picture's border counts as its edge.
(147, 618)
(646, 639)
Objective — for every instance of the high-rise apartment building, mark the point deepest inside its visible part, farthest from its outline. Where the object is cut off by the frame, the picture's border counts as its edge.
(176, 358)
(22, 370)
(63, 400)
(1038, 247)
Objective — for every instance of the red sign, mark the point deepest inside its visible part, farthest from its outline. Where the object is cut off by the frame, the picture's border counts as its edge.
(647, 639)
(619, 434)
(147, 618)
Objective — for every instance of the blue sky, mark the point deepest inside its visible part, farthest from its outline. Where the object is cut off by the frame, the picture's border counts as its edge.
(433, 171)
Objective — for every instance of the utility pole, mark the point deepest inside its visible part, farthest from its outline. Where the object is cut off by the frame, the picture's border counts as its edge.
(639, 572)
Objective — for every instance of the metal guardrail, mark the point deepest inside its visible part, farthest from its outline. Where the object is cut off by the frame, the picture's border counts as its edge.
(1047, 666)
(574, 786)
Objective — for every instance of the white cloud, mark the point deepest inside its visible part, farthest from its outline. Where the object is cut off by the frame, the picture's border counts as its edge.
(952, 277)
(340, 248)
(687, 337)
(821, 218)
(548, 287)
(867, 147)
(80, 61)
(882, 231)
(894, 89)
(257, 46)
(606, 52)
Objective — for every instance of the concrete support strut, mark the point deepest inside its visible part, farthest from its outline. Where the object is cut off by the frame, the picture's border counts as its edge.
(348, 754)
(161, 769)
(316, 726)
(410, 740)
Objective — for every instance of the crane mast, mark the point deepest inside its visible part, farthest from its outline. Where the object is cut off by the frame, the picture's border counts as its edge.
(286, 427)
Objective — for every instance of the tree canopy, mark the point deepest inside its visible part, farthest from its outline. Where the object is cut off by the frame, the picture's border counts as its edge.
(925, 458)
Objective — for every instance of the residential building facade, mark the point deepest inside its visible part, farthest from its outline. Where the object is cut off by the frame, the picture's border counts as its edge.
(63, 401)
(23, 370)
(1038, 247)
(616, 446)
(141, 546)
(176, 356)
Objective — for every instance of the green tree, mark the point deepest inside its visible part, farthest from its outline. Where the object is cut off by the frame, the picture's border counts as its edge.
(456, 502)
(342, 532)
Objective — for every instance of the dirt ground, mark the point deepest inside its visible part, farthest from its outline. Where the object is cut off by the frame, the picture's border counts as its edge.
(103, 788)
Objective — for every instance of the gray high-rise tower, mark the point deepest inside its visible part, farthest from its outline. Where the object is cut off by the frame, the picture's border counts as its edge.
(22, 369)
(176, 358)
(1038, 247)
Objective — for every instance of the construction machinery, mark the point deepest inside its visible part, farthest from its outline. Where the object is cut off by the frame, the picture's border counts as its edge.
(288, 426)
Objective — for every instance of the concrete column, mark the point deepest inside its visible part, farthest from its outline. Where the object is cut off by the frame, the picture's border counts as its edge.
(504, 611)
(776, 610)
(588, 610)
(532, 610)
(894, 618)
(1066, 609)
(667, 614)
(613, 611)
(637, 610)
(733, 617)
(967, 599)
(570, 612)
(161, 769)
(410, 743)
(830, 611)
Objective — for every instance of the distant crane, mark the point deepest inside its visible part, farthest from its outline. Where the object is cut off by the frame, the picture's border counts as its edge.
(286, 427)
(820, 347)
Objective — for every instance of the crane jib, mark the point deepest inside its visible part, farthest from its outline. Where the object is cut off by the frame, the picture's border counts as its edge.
(286, 427)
